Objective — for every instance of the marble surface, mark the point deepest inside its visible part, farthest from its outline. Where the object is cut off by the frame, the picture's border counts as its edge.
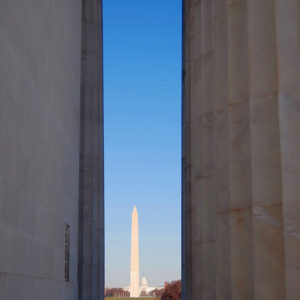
(134, 259)
(91, 170)
(51, 149)
(241, 160)
(39, 147)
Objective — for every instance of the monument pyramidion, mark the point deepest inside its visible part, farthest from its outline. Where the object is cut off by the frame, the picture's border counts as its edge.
(134, 266)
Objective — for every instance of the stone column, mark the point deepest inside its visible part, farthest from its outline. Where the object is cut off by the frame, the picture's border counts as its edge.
(91, 202)
(241, 160)
(288, 58)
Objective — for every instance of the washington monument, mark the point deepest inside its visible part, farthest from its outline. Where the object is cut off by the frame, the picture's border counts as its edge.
(134, 267)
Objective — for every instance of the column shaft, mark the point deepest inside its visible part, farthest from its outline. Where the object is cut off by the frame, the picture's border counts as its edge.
(91, 202)
(241, 163)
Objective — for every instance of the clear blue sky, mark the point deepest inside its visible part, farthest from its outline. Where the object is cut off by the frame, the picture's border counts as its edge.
(142, 119)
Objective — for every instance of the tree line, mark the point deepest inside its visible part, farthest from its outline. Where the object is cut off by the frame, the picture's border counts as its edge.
(171, 291)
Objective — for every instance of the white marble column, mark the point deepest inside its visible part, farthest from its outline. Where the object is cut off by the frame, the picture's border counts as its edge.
(241, 161)
(288, 76)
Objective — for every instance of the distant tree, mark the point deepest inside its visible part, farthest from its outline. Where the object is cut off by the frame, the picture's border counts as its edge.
(172, 291)
(143, 294)
(116, 292)
(156, 293)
